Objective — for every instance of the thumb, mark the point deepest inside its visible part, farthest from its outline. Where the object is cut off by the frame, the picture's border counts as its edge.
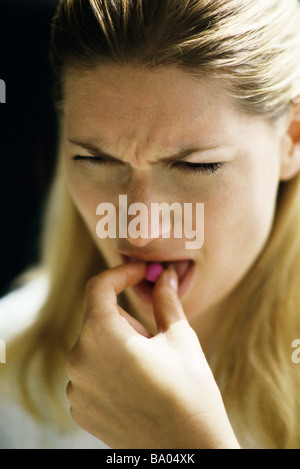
(167, 308)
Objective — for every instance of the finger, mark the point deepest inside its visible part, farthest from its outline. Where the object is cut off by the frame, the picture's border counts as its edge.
(167, 307)
(137, 326)
(104, 288)
(101, 304)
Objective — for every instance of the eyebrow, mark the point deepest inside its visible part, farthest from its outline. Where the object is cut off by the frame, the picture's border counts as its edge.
(97, 151)
(93, 149)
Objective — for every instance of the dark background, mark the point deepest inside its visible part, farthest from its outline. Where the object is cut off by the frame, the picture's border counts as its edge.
(28, 131)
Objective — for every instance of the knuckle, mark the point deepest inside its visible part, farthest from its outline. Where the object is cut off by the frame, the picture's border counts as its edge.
(69, 390)
(69, 365)
(70, 368)
(76, 416)
(90, 285)
(96, 281)
(75, 397)
(94, 289)
(72, 362)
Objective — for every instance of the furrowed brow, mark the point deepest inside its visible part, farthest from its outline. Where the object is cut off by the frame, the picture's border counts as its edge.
(96, 150)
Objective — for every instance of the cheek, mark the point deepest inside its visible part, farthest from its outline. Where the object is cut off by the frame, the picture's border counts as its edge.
(85, 197)
(237, 225)
(239, 217)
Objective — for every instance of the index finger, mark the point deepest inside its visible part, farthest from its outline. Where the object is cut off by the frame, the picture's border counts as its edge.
(105, 286)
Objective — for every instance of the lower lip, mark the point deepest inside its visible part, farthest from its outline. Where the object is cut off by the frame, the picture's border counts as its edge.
(144, 289)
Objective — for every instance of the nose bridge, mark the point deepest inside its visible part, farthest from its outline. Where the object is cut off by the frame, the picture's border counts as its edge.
(142, 187)
(142, 193)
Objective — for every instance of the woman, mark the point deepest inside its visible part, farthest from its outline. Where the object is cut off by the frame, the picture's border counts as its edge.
(187, 102)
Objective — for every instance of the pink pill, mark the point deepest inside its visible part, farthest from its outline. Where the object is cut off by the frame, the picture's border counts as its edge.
(153, 271)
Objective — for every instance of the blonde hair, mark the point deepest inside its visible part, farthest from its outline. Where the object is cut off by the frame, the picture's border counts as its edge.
(252, 49)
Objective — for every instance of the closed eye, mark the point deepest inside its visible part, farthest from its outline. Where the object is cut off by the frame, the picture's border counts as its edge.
(197, 168)
(96, 160)
(184, 166)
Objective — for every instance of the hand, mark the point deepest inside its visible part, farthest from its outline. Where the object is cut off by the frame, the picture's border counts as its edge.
(133, 390)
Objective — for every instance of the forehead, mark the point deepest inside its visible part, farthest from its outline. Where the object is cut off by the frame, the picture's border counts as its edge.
(124, 106)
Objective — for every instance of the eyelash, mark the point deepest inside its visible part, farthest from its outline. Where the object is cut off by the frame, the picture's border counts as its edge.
(202, 168)
(194, 168)
(92, 160)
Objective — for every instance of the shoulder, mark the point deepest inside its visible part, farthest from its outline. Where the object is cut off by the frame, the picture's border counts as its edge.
(19, 308)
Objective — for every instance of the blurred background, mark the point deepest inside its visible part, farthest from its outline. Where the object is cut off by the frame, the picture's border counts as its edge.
(28, 131)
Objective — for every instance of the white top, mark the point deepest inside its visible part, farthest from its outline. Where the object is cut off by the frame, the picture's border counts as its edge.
(18, 430)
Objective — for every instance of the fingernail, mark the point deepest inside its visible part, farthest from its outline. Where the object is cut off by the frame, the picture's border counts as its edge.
(173, 279)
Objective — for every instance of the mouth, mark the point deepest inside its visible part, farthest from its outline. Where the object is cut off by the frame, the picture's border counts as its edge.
(185, 269)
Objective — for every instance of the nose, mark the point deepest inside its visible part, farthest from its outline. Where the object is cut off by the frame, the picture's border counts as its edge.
(139, 215)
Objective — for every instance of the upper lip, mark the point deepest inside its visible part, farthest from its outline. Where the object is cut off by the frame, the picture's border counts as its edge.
(152, 257)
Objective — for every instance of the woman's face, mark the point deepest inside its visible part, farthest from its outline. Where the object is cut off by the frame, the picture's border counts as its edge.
(162, 136)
